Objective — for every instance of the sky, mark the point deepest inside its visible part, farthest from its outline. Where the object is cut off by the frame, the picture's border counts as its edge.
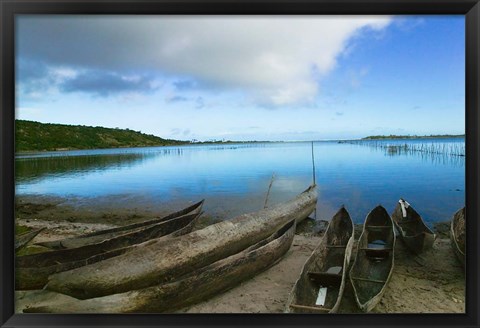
(244, 78)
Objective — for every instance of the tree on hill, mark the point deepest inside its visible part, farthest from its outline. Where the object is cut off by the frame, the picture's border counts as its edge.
(35, 136)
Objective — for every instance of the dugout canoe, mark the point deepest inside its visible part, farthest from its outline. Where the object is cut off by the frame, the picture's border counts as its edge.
(32, 271)
(155, 264)
(99, 236)
(195, 287)
(373, 265)
(319, 289)
(417, 236)
(24, 238)
(457, 235)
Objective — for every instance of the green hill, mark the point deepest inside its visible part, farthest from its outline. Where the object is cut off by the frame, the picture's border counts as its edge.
(35, 136)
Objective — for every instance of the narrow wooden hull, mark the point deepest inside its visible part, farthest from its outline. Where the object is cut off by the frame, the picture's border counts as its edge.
(99, 236)
(155, 264)
(457, 235)
(373, 265)
(416, 235)
(333, 251)
(195, 287)
(32, 271)
(24, 238)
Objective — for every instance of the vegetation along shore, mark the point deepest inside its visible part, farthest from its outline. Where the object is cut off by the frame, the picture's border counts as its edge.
(33, 136)
(432, 136)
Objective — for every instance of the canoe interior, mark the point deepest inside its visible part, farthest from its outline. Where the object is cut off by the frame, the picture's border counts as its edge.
(129, 238)
(31, 278)
(195, 207)
(325, 268)
(457, 234)
(32, 271)
(23, 239)
(373, 263)
(417, 236)
(98, 236)
(412, 224)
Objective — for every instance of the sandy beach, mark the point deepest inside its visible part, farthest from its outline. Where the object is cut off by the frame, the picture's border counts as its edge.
(431, 283)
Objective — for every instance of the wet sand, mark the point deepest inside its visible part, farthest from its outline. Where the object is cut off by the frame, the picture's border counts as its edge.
(432, 283)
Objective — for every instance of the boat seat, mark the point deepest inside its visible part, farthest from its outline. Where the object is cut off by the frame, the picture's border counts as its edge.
(307, 308)
(325, 279)
(377, 253)
(334, 269)
(336, 246)
(369, 280)
(377, 244)
(378, 227)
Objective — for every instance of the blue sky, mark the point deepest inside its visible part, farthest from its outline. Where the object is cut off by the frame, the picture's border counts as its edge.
(244, 78)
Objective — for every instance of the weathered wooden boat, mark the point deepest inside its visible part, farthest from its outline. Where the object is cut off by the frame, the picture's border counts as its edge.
(418, 237)
(322, 281)
(457, 235)
(99, 236)
(23, 239)
(195, 287)
(373, 265)
(32, 271)
(154, 264)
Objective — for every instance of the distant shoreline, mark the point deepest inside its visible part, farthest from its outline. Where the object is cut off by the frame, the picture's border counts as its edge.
(200, 143)
(203, 143)
(437, 136)
(35, 137)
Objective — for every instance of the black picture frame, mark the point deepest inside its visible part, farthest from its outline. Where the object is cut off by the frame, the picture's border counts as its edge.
(10, 8)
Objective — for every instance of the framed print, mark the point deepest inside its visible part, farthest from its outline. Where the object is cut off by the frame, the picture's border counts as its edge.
(232, 163)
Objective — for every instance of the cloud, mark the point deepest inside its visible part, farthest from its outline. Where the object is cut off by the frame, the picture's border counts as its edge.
(30, 70)
(36, 79)
(175, 131)
(339, 113)
(356, 77)
(410, 23)
(177, 98)
(104, 83)
(184, 85)
(28, 113)
(178, 131)
(199, 103)
(276, 61)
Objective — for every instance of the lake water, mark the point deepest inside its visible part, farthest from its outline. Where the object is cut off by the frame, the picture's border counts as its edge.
(234, 178)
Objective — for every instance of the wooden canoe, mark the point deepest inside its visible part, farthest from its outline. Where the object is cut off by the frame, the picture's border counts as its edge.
(373, 265)
(32, 271)
(457, 235)
(417, 236)
(99, 236)
(195, 287)
(322, 281)
(23, 239)
(154, 264)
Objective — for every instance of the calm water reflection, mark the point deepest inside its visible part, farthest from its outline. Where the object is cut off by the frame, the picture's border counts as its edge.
(234, 178)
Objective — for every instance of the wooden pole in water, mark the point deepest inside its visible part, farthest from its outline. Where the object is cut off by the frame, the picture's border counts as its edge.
(268, 192)
(313, 165)
(314, 182)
